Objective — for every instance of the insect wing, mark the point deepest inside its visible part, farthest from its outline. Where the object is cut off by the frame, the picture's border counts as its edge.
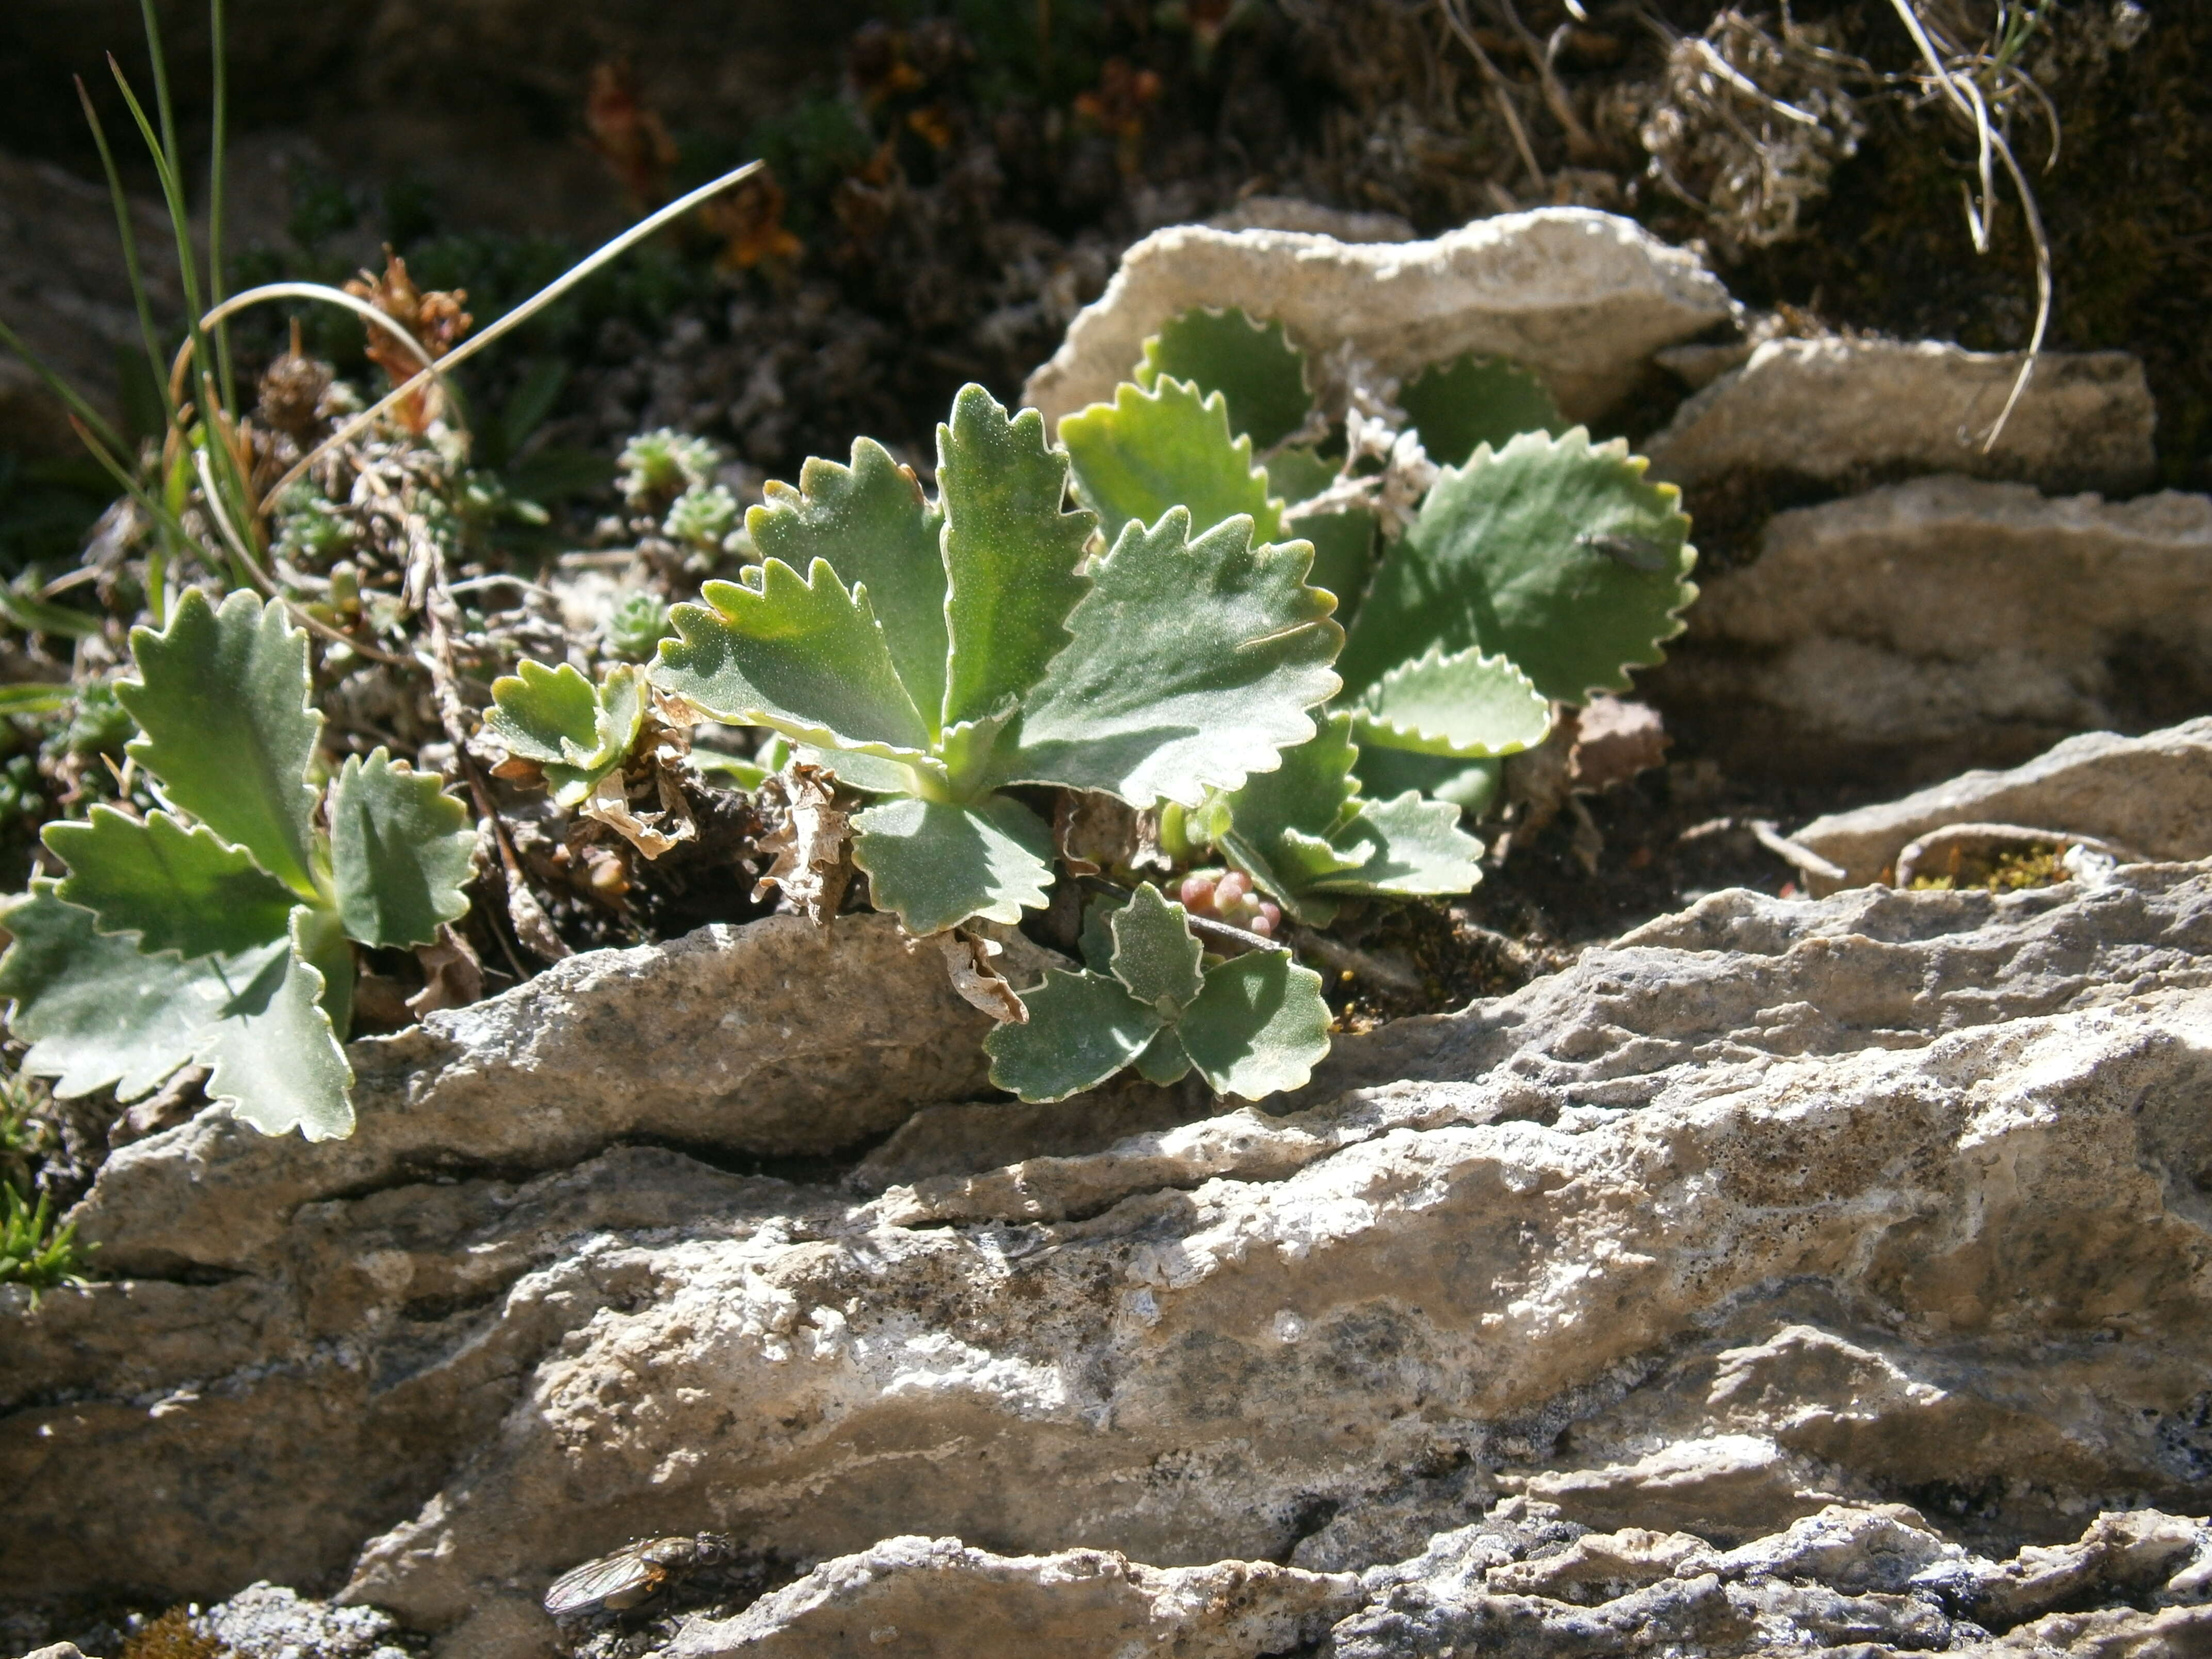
(617, 1580)
(1637, 552)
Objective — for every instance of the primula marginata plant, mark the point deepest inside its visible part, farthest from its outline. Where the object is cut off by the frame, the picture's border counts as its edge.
(1488, 561)
(220, 927)
(935, 653)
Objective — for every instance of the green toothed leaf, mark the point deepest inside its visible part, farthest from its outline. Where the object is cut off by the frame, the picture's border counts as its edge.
(1470, 785)
(1010, 552)
(180, 889)
(1473, 400)
(1259, 1027)
(221, 705)
(1510, 554)
(1154, 954)
(546, 714)
(275, 1060)
(1192, 663)
(803, 655)
(400, 852)
(870, 522)
(1343, 543)
(1465, 704)
(1253, 365)
(1082, 1029)
(936, 865)
(1149, 451)
(95, 1009)
(1418, 848)
(1304, 835)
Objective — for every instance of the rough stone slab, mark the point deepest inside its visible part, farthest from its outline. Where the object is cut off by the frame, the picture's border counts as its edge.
(771, 1039)
(924, 1598)
(2154, 793)
(1869, 1185)
(1582, 298)
(1839, 409)
(1949, 617)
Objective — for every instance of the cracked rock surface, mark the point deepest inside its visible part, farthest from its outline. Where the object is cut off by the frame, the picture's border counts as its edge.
(1793, 1272)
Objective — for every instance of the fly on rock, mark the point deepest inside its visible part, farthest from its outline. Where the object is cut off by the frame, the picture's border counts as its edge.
(631, 1574)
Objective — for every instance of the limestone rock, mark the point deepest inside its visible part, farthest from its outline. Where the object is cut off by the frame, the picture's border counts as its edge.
(2153, 793)
(1837, 410)
(773, 1039)
(268, 1621)
(1776, 1206)
(922, 1598)
(1582, 298)
(1847, 1547)
(1945, 618)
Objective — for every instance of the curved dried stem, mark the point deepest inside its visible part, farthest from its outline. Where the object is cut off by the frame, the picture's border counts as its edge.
(522, 313)
(1500, 93)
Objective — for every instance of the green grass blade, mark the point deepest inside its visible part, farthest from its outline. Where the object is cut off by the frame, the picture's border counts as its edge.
(217, 143)
(131, 264)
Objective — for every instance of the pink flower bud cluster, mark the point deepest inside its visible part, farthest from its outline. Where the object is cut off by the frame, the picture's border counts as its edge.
(1230, 896)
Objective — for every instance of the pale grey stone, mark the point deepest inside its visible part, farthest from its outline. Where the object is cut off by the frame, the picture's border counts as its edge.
(1843, 409)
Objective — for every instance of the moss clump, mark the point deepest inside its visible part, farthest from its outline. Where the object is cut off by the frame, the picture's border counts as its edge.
(171, 1637)
(2009, 871)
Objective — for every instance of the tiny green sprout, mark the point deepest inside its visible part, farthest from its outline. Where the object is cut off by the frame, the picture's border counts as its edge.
(99, 723)
(703, 518)
(637, 625)
(656, 467)
(34, 1252)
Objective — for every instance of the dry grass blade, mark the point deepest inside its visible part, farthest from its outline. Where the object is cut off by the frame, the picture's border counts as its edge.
(515, 319)
(1499, 93)
(1967, 98)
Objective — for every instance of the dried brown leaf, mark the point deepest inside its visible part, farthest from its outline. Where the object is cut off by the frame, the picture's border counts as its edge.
(968, 961)
(810, 846)
(452, 975)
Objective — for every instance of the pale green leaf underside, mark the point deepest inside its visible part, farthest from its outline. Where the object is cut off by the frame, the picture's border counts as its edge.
(1259, 1027)
(936, 865)
(1473, 400)
(1465, 704)
(1082, 1029)
(546, 714)
(1507, 554)
(1170, 446)
(400, 852)
(1418, 847)
(870, 520)
(1163, 1060)
(97, 1010)
(182, 890)
(803, 655)
(275, 1060)
(221, 706)
(1154, 954)
(1011, 554)
(1253, 365)
(1192, 663)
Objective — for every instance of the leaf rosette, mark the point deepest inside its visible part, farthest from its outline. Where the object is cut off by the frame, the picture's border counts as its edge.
(217, 928)
(936, 653)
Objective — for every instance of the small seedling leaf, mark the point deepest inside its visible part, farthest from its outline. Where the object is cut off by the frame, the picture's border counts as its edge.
(400, 852)
(1464, 704)
(936, 864)
(179, 889)
(550, 715)
(1154, 954)
(1082, 1029)
(1259, 1027)
(221, 705)
(1170, 446)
